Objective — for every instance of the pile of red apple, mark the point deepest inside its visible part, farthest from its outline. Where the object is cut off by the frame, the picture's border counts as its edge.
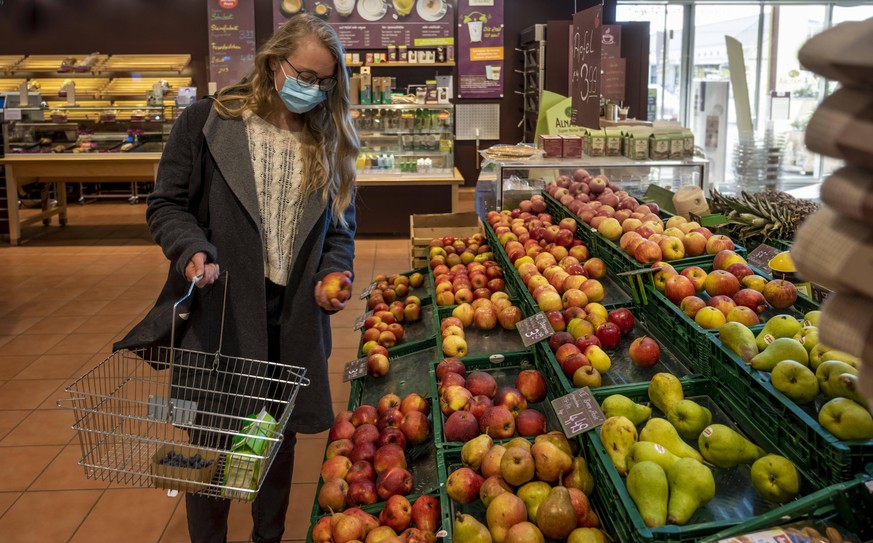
(482, 314)
(452, 251)
(395, 519)
(464, 283)
(731, 292)
(383, 328)
(556, 274)
(654, 242)
(394, 287)
(474, 405)
(365, 460)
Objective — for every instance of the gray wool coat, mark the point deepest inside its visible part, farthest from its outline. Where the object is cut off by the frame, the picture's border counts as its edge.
(233, 240)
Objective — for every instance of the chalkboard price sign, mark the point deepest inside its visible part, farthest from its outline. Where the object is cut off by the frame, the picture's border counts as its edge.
(578, 412)
(762, 255)
(367, 291)
(585, 62)
(355, 369)
(534, 329)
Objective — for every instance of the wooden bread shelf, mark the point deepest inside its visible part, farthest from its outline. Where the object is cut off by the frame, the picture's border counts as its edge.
(144, 63)
(8, 62)
(125, 86)
(51, 63)
(89, 86)
(10, 85)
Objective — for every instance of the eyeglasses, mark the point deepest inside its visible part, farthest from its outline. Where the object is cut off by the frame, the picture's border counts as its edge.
(311, 79)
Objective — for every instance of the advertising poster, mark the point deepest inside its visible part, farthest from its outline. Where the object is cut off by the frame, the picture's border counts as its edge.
(231, 40)
(480, 49)
(613, 68)
(585, 61)
(376, 24)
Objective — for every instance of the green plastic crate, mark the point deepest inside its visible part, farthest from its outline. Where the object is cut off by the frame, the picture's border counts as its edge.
(504, 373)
(736, 500)
(425, 290)
(417, 336)
(848, 505)
(623, 371)
(794, 428)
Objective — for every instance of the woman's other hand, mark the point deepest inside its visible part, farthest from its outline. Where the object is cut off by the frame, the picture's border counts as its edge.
(334, 295)
(198, 266)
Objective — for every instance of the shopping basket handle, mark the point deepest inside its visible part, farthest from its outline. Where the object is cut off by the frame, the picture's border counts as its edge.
(184, 316)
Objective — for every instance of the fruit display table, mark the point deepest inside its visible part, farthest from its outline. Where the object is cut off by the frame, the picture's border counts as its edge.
(62, 169)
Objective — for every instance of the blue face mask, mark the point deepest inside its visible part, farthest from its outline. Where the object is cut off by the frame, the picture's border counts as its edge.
(299, 98)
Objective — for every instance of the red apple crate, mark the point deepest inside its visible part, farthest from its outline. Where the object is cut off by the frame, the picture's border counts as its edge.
(417, 335)
(848, 505)
(736, 500)
(623, 371)
(794, 428)
(504, 372)
(425, 291)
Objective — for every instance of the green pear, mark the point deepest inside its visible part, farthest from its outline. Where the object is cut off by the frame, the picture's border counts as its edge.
(775, 478)
(663, 433)
(847, 420)
(617, 435)
(738, 338)
(808, 337)
(783, 348)
(533, 494)
(725, 448)
(822, 353)
(691, 486)
(505, 511)
(795, 381)
(777, 327)
(556, 517)
(689, 418)
(647, 486)
(812, 317)
(665, 390)
(846, 385)
(580, 476)
(831, 369)
(473, 451)
(648, 451)
(469, 530)
(618, 405)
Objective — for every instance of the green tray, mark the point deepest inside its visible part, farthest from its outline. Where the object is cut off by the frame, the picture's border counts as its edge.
(794, 428)
(417, 336)
(504, 373)
(485, 342)
(736, 500)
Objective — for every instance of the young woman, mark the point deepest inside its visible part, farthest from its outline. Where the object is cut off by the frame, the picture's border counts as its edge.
(276, 154)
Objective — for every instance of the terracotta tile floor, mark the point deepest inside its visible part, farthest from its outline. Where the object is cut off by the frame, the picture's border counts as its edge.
(65, 295)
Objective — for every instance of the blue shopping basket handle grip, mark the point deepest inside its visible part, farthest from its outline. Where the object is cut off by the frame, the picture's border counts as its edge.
(187, 295)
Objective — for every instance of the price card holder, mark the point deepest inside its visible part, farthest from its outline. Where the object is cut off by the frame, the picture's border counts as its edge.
(761, 257)
(367, 291)
(359, 322)
(355, 369)
(534, 329)
(578, 412)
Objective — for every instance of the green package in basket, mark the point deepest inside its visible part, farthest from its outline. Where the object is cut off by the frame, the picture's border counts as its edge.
(243, 465)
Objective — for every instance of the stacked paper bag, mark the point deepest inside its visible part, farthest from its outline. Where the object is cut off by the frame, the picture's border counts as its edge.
(834, 247)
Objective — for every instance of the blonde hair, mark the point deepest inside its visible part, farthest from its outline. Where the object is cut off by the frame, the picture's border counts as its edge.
(329, 143)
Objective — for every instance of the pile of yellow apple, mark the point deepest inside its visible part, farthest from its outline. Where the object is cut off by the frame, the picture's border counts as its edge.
(653, 241)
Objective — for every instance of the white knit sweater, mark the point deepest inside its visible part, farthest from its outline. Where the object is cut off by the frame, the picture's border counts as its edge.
(275, 158)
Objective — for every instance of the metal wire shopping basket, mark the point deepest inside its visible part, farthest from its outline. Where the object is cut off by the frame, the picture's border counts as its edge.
(183, 420)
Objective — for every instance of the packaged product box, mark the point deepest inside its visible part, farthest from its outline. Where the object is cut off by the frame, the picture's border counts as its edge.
(376, 90)
(430, 56)
(356, 58)
(387, 89)
(677, 146)
(431, 97)
(450, 53)
(596, 142)
(366, 86)
(402, 53)
(688, 135)
(571, 146)
(613, 141)
(413, 56)
(552, 145)
(187, 479)
(369, 58)
(241, 470)
(659, 148)
(639, 138)
(392, 53)
(355, 89)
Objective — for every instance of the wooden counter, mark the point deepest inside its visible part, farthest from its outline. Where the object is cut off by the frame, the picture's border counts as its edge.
(62, 169)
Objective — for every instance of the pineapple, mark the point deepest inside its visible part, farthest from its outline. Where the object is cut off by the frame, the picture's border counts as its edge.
(771, 215)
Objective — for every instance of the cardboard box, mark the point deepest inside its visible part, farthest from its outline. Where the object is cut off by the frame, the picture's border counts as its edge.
(184, 479)
(571, 146)
(659, 148)
(596, 143)
(423, 228)
(552, 145)
(613, 142)
(677, 146)
(366, 86)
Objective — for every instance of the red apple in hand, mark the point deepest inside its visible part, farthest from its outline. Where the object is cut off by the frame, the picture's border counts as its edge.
(623, 318)
(644, 352)
(336, 286)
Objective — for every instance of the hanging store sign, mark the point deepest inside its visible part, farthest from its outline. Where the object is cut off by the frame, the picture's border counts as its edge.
(585, 60)
(231, 40)
(480, 49)
(378, 24)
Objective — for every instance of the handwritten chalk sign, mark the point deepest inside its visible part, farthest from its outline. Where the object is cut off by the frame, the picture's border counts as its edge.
(534, 329)
(761, 257)
(369, 290)
(585, 60)
(578, 412)
(355, 369)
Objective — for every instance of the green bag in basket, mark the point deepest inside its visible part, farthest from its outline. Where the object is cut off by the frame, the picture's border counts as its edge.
(241, 470)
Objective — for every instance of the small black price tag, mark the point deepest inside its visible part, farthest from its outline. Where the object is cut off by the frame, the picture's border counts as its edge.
(578, 412)
(359, 322)
(535, 328)
(355, 369)
(367, 291)
(761, 257)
